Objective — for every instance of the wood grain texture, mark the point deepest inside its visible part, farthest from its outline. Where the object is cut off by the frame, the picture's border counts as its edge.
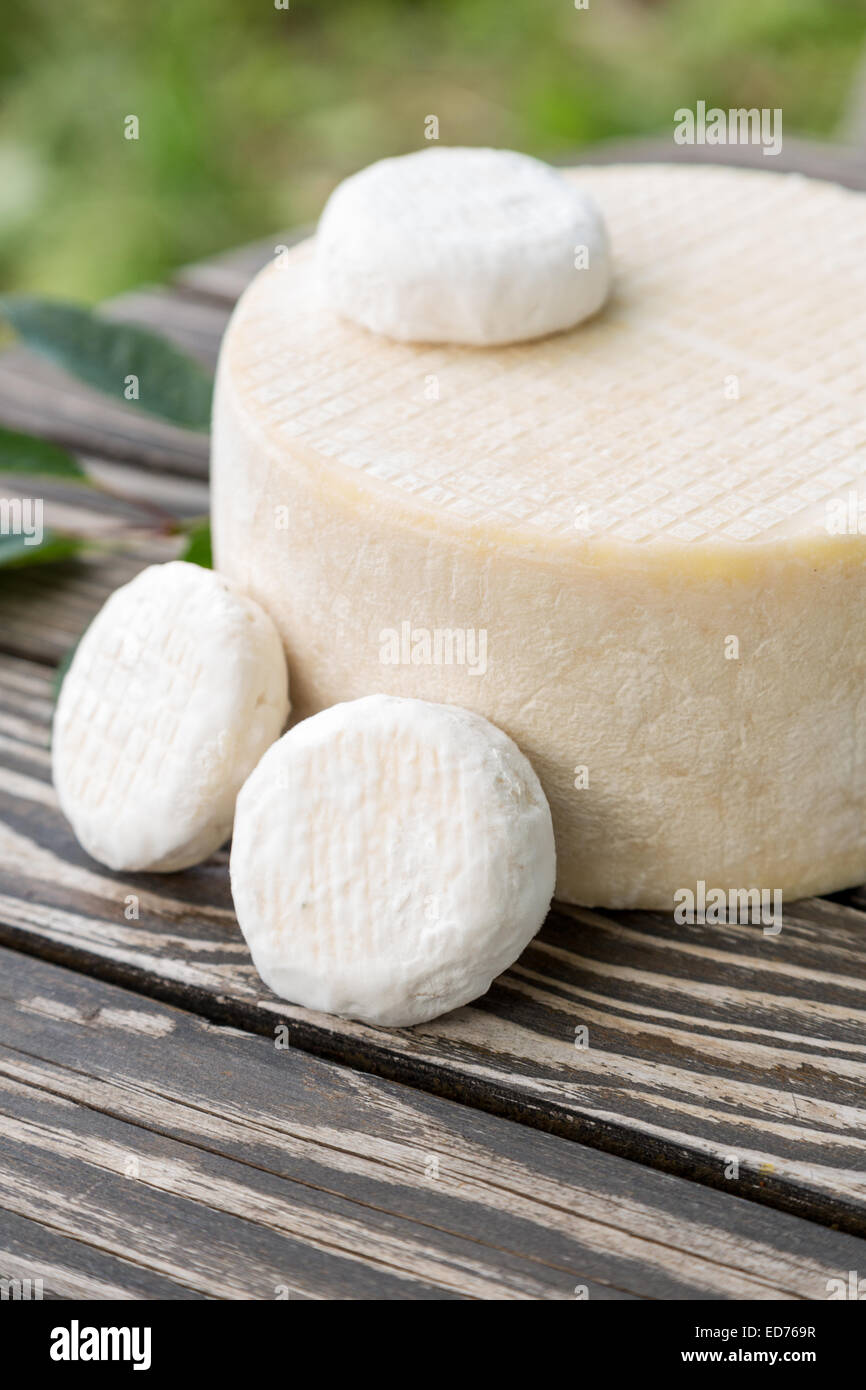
(70, 1267)
(233, 1166)
(223, 278)
(705, 1044)
(44, 609)
(40, 399)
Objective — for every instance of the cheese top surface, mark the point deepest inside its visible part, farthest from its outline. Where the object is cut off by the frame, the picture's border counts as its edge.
(717, 398)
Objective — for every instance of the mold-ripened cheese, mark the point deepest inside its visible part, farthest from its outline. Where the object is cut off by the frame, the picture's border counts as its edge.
(176, 689)
(390, 858)
(634, 546)
(462, 245)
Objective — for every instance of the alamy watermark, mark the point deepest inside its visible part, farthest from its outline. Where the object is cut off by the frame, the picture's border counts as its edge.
(77, 1343)
(853, 1287)
(437, 646)
(737, 126)
(845, 516)
(755, 906)
(23, 516)
(21, 1290)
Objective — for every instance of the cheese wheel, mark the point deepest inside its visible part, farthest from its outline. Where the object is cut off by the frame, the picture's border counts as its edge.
(462, 246)
(390, 859)
(176, 689)
(636, 547)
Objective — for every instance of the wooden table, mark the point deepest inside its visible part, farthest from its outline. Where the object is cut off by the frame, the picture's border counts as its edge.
(171, 1130)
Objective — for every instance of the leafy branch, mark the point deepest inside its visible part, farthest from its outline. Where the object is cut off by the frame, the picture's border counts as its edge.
(145, 370)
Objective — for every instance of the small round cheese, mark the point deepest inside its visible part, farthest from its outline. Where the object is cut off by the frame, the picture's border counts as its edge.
(390, 858)
(469, 246)
(177, 688)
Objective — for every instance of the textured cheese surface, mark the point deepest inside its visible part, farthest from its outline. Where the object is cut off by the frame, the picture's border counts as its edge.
(390, 858)
(461, 245)
(176, 689)
(719, 274)
(653, 520)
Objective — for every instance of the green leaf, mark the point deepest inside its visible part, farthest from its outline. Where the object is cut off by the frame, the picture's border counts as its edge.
(198, 547)
(104, 354)
(15, 552)
(20, 453)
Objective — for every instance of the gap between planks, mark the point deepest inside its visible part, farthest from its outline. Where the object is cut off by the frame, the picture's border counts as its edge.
(332, 1169)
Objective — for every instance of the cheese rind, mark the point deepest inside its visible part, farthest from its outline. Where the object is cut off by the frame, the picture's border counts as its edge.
(452, 245)
(642, 516)
(175, 690)
(390, 858)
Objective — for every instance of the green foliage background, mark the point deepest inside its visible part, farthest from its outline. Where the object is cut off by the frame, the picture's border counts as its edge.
(249, 114)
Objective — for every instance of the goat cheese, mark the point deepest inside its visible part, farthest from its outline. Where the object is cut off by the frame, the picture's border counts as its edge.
(390, 858)
(177, 688)
(469, 246)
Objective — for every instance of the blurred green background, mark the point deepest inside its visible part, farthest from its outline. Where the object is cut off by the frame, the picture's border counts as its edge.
(249, 114)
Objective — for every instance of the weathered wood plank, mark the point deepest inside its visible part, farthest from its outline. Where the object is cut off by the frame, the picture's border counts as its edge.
(44, 610)
(195, 324)
(240, 1169)
(224, 278)
(343, 1184)
(134, 501)
(71, 1268)
(40, 399)
(705, 1044)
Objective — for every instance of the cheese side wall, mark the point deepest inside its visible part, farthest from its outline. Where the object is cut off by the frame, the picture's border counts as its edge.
(746, 772)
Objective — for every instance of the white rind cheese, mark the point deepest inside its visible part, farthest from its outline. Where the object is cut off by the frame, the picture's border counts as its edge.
(460, 245)
(176, 689)
(644, 532)
(390, 859)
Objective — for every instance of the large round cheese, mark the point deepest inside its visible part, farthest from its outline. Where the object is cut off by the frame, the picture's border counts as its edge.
(635, 546)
